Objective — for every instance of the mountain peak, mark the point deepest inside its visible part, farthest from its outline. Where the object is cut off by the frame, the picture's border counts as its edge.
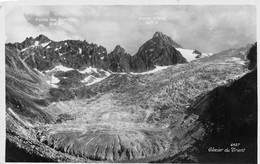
(159, 36)
(42, 38)
(119, 49)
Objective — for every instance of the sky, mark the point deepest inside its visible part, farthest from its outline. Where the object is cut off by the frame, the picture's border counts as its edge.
(207, 28)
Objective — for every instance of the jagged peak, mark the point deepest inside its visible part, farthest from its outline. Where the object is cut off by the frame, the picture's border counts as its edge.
(158, 34)
(168, 40)
(161, 35)
(196, 52)
(42, 38)
(119, 49)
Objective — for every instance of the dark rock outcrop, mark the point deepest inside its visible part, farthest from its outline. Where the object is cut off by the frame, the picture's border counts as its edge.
(199, 54)
(160, 50)
(119, 60)
(42, 39)
(252, 57)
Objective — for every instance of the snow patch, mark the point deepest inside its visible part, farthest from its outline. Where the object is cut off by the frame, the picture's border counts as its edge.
(80, 50)
(95, 70)
(120, 73)
(45, 44)
(95, 80)
(24, 49)
(53, 81)
(56, 49)
(91, 69)
(243, 52)
(237, 60)
(90, 80)
(107, 73)
(60, 68)
(189, 55)
(87, 70)
(39, 72)
(36, 43)
(206, 55)
(157, 69)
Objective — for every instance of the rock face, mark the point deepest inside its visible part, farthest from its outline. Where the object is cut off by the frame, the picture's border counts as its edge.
(252, 57)
(199, 54)
(119, 60)
(160, 50)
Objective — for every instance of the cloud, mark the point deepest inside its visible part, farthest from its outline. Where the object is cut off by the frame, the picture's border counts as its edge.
(206, 28)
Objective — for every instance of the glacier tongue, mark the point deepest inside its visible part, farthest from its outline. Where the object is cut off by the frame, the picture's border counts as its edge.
(53, 81)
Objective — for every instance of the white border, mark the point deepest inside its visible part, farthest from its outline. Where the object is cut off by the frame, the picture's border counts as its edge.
(2, 86)
(101, 2)
(133, 2)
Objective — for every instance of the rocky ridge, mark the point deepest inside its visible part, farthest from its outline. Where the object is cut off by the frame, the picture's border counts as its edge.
(44, 54)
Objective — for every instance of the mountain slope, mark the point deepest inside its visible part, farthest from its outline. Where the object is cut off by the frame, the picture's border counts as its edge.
(68, 113)
(224, 121)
